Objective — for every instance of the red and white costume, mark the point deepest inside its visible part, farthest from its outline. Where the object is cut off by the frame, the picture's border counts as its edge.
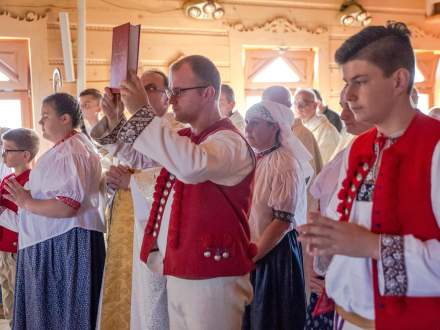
(392, 186)
(199, 218)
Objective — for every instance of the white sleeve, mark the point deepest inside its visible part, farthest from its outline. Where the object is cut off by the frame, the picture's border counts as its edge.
(409, 266)
(326, 183)
(223, 158)
(72, 177)
(129, 156)
(9, 220)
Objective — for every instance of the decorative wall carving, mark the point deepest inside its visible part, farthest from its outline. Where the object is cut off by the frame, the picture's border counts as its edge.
(277, 25)
(28, 16)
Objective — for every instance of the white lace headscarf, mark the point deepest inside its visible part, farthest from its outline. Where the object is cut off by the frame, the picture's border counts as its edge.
(280, 114)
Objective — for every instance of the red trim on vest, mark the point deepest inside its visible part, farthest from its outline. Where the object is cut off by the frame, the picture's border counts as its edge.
(401, 206)
(207, 236)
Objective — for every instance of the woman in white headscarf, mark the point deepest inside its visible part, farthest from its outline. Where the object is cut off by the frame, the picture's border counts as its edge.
(279, 204)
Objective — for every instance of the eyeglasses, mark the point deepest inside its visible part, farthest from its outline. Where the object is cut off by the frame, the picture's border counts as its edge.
(152, 89)
(6, 151)
(177, 91)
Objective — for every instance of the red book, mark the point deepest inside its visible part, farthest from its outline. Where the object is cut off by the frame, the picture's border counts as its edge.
(125, 53)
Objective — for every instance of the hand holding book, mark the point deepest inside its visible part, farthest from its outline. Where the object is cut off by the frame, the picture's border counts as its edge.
(133, 93)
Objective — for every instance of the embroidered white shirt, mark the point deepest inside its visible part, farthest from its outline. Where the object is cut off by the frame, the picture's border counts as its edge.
(349, 280)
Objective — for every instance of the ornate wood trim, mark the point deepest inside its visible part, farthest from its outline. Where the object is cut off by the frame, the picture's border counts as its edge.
(28, 16)
(277, 25)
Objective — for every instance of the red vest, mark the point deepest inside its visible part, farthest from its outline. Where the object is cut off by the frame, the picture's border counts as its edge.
(402, 206)
(208, 233)
(9, 238)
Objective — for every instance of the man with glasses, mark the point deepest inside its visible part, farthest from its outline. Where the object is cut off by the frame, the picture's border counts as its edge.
(141, 298)
(202, 197)
(327, 136)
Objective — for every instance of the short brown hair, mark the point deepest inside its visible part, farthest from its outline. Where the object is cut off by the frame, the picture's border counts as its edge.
(388, 47)
(92, 92)
(228, 92)
(24, 139)
(204, 69)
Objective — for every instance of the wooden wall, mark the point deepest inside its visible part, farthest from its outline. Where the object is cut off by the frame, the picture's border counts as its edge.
(168, 34)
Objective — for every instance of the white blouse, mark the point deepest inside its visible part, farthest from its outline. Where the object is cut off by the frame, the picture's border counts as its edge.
(279, 192)
(72, 170)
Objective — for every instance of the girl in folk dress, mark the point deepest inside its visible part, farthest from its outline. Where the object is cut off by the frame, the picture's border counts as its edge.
(61, 246)
(279, 204)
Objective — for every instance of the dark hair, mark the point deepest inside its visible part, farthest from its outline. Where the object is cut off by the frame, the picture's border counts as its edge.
(317, 94)
(388, 47)
(228, 92)
(204, 69)
(64, 103)
(24, 139)
(278, 94)
(92, 92)
(160, 73)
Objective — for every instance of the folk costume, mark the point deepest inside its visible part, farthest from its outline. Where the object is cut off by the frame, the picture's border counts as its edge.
(60, 260)
(279, 193)
(391, 185)
(199, 218)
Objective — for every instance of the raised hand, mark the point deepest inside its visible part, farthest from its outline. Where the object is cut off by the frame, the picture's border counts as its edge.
(133, 93)
(324, 236)
(17, 194)
(112, 107)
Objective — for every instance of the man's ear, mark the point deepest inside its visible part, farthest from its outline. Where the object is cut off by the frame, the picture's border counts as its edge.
(209, 92)
(401, 79)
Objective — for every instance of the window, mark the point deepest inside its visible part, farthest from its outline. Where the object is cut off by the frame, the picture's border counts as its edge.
(15, 90)
(10, 113)
(266, 67)
(3, 77)
(276, 71)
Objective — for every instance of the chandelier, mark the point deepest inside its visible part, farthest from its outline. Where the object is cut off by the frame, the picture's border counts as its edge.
(208, 9)
(353, 13)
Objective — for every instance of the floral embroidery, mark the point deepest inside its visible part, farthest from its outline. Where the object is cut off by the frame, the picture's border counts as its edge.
(393, 263)
(112, 137)
(135, 125)
(365, 193)
(284, 216)
(260, 112)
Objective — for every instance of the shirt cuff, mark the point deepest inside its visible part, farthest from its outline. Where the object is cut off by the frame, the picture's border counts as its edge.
(283, 216)
(130, 131)
(69, 202)
(392, 271)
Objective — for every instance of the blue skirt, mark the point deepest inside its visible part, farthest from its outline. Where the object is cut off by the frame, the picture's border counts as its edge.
(321, 322)
(58, 282)
(279, 296)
